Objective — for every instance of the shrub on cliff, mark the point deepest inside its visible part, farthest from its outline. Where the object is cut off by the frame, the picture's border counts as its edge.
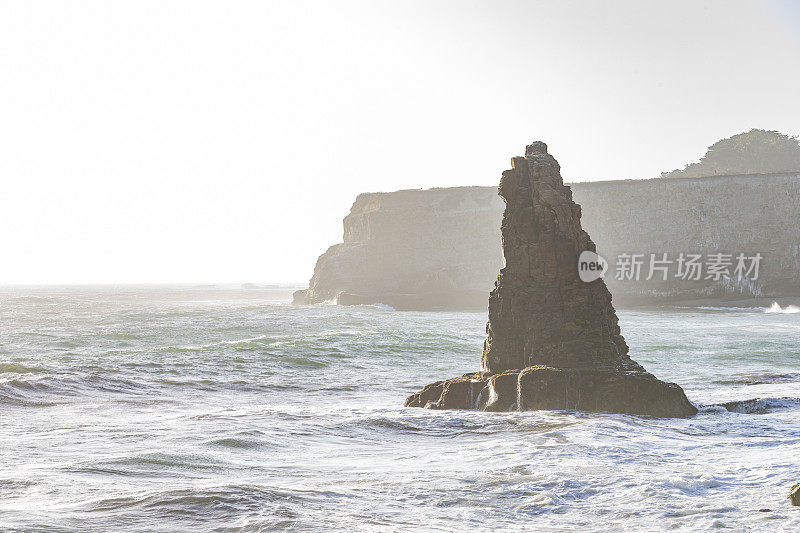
(754, 152)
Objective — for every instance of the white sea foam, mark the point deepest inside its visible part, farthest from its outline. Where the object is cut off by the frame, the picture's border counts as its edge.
(234, 342)
(717, 308)
(788, 310)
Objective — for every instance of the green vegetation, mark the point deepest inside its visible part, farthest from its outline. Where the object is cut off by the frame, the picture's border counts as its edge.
(754, 152)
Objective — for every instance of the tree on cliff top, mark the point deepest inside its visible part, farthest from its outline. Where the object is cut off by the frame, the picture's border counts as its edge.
(754, 152)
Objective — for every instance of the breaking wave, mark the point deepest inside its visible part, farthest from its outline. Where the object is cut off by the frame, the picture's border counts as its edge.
(761, 406)
(788, 310)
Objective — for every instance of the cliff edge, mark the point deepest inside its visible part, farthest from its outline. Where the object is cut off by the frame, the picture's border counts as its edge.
(440, 248)
(415, 249)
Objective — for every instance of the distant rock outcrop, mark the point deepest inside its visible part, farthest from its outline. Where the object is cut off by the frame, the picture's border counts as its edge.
(553, 341)
(429, 250)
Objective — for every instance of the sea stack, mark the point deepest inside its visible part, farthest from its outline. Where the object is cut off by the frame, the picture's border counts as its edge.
(553, 340)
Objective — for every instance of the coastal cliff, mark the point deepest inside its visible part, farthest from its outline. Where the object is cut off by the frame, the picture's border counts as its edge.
(440, 248)
(414, 249)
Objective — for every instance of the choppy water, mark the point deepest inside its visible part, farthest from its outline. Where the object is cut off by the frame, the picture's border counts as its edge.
(205, 408)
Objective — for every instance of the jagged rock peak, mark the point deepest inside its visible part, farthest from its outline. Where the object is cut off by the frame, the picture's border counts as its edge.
(536, 147)
(540, 311)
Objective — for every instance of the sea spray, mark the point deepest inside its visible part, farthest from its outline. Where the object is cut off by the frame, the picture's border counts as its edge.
(776, 308)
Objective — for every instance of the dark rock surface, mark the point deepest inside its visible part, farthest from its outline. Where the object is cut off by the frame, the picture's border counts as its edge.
(794, 494)
(553, 341)
(540, 312)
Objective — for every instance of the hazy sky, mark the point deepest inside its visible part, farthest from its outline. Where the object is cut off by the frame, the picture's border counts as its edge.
(225, 141)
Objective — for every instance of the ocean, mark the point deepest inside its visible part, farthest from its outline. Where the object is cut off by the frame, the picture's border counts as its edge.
(218, 408)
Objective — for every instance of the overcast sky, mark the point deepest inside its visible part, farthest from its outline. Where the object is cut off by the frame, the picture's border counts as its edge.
(225, 141)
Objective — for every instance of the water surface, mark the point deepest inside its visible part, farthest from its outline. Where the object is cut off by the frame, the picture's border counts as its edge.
(203, 408)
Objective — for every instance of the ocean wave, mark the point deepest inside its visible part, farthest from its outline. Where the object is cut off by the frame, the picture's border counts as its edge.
(717, 308)
(35, 298)
(448, 425)
(250, 439)
(250, 342)
(57, 389)
(48, 390)
(199, 503)
(236, 385)
(758, 379)
(760, 406)
(17, 368)
(332, 388)
(32, 392)
(689, 484)
(788, 310)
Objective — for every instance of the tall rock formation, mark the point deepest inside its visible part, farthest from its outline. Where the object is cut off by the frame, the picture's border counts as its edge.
(553, 340)
(540, 312)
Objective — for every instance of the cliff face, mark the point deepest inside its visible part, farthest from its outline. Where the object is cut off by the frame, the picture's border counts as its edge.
(415, 249)
(730, 214)
(440, 248)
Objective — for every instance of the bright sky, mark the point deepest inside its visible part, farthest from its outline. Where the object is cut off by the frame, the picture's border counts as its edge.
(221, 141)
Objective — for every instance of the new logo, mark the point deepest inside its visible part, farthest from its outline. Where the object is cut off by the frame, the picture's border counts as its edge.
(591, 266)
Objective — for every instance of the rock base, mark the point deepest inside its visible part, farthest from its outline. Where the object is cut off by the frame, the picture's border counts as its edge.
(794, 495)
(543, 387)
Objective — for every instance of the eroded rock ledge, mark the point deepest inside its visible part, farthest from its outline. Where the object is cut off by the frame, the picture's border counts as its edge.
(553, 341)
(543, 387)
